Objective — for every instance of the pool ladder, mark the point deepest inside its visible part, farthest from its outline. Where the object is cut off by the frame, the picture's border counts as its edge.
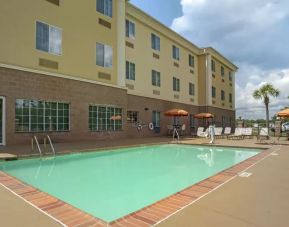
(34, 139)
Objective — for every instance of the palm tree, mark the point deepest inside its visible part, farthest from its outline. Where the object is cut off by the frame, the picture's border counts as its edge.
(264, 93)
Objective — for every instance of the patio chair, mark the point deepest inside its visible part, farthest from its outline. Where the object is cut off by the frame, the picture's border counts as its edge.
(218, 132)
(248, 133)
(203, 133)
(237, 135)
(263, 134)
(227, 131)
(183, 130)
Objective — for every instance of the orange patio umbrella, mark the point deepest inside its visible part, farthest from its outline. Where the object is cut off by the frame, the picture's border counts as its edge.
(283, 113)
(115, 117)
(176, 113)
(203, 115)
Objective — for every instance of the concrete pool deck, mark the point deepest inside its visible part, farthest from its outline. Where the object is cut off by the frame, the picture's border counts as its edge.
(260, 200)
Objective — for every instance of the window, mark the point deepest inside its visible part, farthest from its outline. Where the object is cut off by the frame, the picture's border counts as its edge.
(105, 118)
(156, 42)
(176, 53)
(104, 55)
(191, 89)
(48, 38)
(191, 61)
(41, 116)
(176, 84)
(156, 78)
(222, 71)
(222, 95)
(129, 29)
(104, 7)
(213, 65)
(230, 98)
(130, 71)
(213, 92)
(132, 116)
(230, 76)
(156, 119)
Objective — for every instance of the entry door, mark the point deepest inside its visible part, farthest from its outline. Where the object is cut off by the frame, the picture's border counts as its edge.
(2, 121)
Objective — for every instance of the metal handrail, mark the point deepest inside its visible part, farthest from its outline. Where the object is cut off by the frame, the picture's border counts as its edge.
(38, 146)
(51, 145)
(50, 142)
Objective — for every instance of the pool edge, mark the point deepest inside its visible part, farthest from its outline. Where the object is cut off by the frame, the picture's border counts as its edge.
(153, 214)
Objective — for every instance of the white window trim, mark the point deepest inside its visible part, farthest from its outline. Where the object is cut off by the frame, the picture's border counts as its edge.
(3, 121)
(130, 37)
(35, 34)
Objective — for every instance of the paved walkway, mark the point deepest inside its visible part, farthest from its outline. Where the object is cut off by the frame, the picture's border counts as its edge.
(15, 212)
(261, 200)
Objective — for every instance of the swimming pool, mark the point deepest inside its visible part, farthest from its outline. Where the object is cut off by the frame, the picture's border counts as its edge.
(114, 183)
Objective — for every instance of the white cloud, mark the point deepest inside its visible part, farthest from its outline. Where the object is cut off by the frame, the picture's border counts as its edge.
(253, 34)
(248, 107)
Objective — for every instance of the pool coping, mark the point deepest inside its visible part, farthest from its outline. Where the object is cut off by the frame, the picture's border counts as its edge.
(68, 215)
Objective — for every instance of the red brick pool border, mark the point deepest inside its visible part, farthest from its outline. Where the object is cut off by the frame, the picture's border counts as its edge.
(148, 216)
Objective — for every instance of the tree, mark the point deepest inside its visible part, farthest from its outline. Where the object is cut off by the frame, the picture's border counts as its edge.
(264, 94)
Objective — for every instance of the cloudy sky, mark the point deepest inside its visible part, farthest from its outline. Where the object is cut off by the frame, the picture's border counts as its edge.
(253, 34)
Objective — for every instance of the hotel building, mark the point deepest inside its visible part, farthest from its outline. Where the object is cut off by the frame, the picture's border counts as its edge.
(88, 70)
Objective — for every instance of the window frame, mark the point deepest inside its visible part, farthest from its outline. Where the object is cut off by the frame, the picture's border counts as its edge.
(106, 47)
(110, 14)
(213, 65)
(31, 113)
(191, 89)
(176, 84)
(155, 42)
(130, 74)
(223, 95)
(101, 121)
(222, 71)
(128, 25)
(49, 37)
(213, 92)
(156, 78)
(130, 115)
(176, 52)
(191, 60)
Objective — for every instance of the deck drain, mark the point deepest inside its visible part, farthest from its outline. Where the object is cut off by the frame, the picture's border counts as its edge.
(245, 174)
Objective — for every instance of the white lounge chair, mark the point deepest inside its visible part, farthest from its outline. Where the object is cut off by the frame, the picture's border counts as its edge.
(203, 134)
(227, 131)
(263, 134)
(237, 135)
(248, 133)
(218, 132)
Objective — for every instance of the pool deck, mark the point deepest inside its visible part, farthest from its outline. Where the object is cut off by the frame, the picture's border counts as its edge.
(259, 200)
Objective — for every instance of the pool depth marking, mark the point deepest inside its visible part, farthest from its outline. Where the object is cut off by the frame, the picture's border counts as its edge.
(148, 216)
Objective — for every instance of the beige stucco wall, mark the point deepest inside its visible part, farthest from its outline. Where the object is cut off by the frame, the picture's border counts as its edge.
(222, 83)
(142, 56)
(80, 33)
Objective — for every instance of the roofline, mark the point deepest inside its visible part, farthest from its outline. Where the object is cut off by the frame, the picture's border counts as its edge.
(214, 51)
(201, 50)
(163, 25)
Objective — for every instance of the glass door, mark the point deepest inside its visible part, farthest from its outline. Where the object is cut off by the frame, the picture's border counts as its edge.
(2, 107)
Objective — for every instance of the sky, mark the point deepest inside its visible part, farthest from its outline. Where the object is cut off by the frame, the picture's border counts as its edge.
(252, 34)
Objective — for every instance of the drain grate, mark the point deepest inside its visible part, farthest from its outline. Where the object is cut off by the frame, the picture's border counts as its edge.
(245, 174)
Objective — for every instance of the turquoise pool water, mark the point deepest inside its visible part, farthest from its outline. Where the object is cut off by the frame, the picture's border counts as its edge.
(111, 184)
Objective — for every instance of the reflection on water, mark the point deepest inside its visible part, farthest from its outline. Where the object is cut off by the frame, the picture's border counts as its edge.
(207, 157)
(48, 161)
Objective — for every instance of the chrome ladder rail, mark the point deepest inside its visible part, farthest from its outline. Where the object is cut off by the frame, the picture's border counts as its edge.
(37, 143)
(51, 144)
